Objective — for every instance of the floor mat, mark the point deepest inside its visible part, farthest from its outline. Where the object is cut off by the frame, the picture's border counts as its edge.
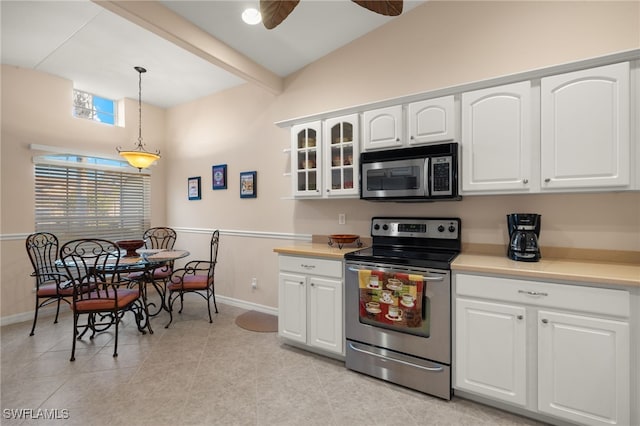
(258, 321)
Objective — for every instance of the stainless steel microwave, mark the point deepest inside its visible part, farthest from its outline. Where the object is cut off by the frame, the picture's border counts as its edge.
(425, 173)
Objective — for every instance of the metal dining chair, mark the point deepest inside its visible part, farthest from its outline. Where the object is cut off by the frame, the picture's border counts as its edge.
(52, 285)
(159, 237)
(196, 277)
(98, 292)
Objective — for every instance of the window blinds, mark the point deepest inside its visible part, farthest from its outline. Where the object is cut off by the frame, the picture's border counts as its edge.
(76, 202)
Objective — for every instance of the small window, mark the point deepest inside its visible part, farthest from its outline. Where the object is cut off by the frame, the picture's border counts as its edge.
(92, 107)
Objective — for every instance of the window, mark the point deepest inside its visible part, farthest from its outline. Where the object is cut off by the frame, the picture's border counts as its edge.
(90, 200)
(92, 107)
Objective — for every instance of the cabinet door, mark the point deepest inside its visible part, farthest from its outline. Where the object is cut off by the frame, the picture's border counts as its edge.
(585, 128)
(341, 147)
(325, 314)
(292, 307)
(496, 139)
(431, 121)
(583, 368)
(382, 128)
(491, 350)
(306, 159)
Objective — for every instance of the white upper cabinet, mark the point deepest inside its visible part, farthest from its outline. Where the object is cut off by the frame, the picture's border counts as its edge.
(306, 159)
(341, 146)
(432, 120)
(585, 128)
(382, 128)
(496, 139)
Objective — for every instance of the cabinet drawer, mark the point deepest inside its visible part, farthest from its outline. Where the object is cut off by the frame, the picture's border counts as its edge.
(311, 266)
(544, 294)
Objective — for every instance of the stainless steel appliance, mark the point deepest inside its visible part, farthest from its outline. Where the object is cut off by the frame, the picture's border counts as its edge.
(524, 231)
(398, 303)
(426, 173)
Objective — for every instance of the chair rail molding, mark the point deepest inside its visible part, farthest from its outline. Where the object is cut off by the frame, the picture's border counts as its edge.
(247, 233)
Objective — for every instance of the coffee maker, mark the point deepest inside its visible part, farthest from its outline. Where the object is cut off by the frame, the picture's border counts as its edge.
(524, 230)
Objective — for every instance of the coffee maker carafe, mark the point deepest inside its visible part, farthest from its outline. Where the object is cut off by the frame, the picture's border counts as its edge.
(524, 230)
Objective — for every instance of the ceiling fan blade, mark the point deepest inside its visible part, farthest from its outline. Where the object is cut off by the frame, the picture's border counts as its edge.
(383, 7)
(275, 11)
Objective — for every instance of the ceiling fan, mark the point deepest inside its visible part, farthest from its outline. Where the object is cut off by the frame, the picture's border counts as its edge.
(275, 11)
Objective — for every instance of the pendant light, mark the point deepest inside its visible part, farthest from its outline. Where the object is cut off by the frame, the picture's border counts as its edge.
(138, 157)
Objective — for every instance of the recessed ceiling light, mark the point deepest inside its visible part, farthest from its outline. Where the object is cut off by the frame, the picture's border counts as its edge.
(251, 16)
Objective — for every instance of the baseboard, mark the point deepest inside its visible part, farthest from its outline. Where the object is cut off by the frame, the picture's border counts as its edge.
(51, 311)
(250, 306)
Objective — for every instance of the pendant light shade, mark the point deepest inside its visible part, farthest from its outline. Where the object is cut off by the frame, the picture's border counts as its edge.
(139, 157)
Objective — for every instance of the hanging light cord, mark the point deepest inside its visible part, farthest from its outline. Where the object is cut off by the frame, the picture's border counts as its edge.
(140, 71)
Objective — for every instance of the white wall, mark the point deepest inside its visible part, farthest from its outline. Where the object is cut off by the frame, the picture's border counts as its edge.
(439, 44)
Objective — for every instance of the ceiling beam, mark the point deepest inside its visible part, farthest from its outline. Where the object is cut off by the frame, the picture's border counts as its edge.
(167, 24)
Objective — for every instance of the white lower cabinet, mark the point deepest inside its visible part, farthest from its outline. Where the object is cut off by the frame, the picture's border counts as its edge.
(583, 368)
(553, 349)
(494, 359)
(310, 302)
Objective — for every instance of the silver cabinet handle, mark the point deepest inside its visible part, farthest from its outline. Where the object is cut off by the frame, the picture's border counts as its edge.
(525, 181)
(545, 321)
(520, 317)
(547, 180)
(412, 138)
(302, 265)
(397, 139)
(533, 293)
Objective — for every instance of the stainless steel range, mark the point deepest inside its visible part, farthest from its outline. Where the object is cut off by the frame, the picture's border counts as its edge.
(398, 303)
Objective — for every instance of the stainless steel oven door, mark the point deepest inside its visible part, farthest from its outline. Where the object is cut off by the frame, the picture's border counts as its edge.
(386, 307)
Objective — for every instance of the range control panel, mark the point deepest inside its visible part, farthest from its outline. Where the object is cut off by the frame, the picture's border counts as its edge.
(407, 227)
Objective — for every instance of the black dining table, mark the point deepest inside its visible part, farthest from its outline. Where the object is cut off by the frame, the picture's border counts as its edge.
(145, 261)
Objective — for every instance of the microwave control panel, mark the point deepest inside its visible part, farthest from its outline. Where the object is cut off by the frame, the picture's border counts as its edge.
(441, 176)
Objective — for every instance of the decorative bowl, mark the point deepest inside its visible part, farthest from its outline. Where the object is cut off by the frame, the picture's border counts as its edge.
(343, 238)
(130, 246)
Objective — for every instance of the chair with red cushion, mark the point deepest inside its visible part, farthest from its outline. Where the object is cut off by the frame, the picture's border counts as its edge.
(158, 238)
(197, 277)
(97, 291)
(52, 285)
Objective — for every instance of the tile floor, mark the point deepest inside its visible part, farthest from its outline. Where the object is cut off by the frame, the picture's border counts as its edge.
(196, 373)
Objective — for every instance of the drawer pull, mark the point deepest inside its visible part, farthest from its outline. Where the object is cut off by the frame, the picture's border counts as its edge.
(302, 265)
(533, 293)
(545, 321)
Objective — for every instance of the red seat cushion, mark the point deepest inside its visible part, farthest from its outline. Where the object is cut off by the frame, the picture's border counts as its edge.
(100, 301)
(191, 282)
(49, 290)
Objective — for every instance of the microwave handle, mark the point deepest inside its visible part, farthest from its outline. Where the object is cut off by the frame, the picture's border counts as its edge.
(427, 190)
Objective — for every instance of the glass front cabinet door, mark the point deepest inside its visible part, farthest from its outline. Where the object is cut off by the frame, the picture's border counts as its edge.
(341, 144)
(306, 159)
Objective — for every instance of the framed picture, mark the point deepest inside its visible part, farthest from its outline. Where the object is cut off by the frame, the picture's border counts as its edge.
(219, 174)
(248, 185)
(193, 188)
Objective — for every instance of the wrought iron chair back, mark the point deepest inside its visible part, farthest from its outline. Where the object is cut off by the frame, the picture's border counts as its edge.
(98, 292)
(159, 238)
(197, 276)
(52, 285)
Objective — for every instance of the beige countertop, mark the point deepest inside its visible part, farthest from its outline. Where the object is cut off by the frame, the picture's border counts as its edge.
(608, 273)
(316, 250)
(587, 271)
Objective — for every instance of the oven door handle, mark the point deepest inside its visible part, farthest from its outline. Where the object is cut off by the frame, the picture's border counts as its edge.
(425, 277)
(399, 361)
